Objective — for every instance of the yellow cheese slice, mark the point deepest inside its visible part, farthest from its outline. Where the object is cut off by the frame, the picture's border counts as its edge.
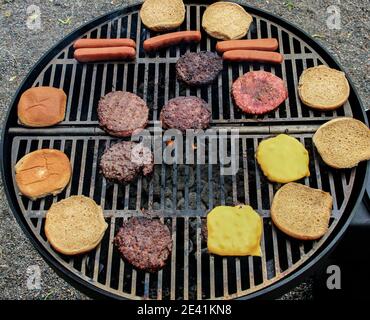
(283, 159)
(234, 231)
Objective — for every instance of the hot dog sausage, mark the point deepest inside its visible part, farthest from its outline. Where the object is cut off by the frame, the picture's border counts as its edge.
(104, 54)
(104, 43)
(269, 44)
(170, 39)
(253, 55)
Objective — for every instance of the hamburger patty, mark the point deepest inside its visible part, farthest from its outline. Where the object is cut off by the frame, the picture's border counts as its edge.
(124, 161)
(145, 243)
(198, 68)
(121, 113)
(186, 113)
(259, 92)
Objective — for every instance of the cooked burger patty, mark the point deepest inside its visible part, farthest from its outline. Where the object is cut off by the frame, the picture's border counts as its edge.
(145, 243)
(124, 161)
(186, 113)
(121, 113)
(198, 68)
(259, 92)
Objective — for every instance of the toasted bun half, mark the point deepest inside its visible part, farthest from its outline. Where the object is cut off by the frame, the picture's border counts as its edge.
(343, 142)
(42, 172)
(323, 88)
(226, 21)
(75, 225)
(301, 212)
(42, 107)
(162, 15)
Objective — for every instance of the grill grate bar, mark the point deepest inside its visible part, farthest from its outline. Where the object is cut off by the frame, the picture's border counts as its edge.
(276, 251)
(225, 277)
(81, 92)
(90, 127)
(317, 169)
(160, 279)
(284, 75)
(91, 99)
(211, 258)
(83, 167)
(295, 80)
(245, 171)
(212, 276)
(186, 258)
(231, 104)
(199, 257)
(289, 252)
(263, 257)
(133, 281)
(251, 272)
(146, 285)
(258, 178)
(274, 236)
(170, 59)
(72, 159)
(70, 92)
(304, 60)
(173, 260)
(52, 76)
(333, 192)
(108, 213)
(235, 201)
(110, 251)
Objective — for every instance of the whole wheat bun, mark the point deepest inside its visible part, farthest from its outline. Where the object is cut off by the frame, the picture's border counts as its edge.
(343, 142)
(75, 225)
(42, 172)
(323, 88)
(301, 212)
(42, 107)
(162, 15)
(226, 21)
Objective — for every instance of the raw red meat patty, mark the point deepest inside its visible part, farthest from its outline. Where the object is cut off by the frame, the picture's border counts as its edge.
(259, 92)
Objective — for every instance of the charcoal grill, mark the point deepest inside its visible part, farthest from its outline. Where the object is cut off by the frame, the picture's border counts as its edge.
(179, 194)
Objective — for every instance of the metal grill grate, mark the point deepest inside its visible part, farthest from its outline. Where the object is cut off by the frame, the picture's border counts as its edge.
(191, 272)
(179, 194)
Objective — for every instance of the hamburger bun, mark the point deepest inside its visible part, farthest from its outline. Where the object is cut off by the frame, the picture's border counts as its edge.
(343, 142)
(42, 172)
(301, 212)
(226, 21)
(42, 107)
(323, 88)
(162, 15)
(75, 225)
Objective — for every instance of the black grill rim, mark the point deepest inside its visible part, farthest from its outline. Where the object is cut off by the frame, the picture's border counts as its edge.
(269, 292)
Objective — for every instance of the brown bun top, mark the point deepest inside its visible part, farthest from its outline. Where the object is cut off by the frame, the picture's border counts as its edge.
(42, 107)
(42, 172)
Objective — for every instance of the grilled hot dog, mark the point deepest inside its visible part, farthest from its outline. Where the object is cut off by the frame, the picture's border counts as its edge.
(170, 39)
(104, 43)
(104, 54)
(253, 55)
(269, 44)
